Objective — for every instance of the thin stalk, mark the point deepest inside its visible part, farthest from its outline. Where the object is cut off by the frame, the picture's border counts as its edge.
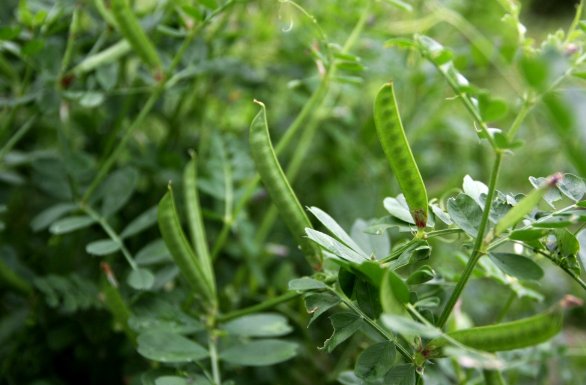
(479, 245)
(268, 304)
(73, 27)
(214, 360)
(111, 233)
(17, 136)
(575, 276)
(506, 307)
(376, 327)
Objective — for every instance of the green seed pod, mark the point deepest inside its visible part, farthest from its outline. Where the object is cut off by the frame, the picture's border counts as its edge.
(278, 187)
(130, 28)
(508, 335)
(181, 252)
(394, 142)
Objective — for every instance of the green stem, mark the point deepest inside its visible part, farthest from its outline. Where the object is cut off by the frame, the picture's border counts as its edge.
(268, 304)
(17, 136)
(111, 233)
(506, 307)
(479, 246)
(212, 344)
(382, 331)
(74, 26)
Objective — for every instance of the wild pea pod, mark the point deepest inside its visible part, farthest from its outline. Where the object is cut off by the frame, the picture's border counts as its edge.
(195, 222)
(133, 32)
(278, 187)
(508, 335)
(394, 142)
(181, 252)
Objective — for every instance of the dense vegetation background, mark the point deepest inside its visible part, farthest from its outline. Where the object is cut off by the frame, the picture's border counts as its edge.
(111, 134)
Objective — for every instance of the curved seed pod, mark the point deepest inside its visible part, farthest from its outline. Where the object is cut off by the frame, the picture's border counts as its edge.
(181, 252)
(130, 28)
(526, 204)
(195, 222)
(508, 335)
(278, 187)
(394, 142)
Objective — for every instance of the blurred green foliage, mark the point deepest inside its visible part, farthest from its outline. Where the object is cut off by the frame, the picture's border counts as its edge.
(92, 146)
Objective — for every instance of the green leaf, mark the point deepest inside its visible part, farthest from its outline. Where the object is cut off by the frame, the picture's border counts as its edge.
(490, 108)
(102, 247)
(140, 223)
(465, 213)
(370, 270)
(525, 205)
(535, 70)
(153, 253)
(402, 374)
(209, 4)
(318, 303)
(375, 361)
(567, 244)
(140, 279)
(169, 347)
(551, 196)
(368, 298)
(46, 217)
(442, 215)
(378, 245)
(423, 274)
(171, 380)
(408, 327)
(474, 189)
(260, 353)
(345, 324)
(336, 230)
(394, 294)
(118, 189)
(398, 208)
(259, 325)
(69, 224)
(159, 314)
(335, 247)
(572, 186)
(517, 266)
(306, 283)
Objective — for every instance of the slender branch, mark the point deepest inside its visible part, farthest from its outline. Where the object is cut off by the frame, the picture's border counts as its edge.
(404, 352)
(111, 233)
(15, 138)
(479, 246)
(214, 360)
(268, 304)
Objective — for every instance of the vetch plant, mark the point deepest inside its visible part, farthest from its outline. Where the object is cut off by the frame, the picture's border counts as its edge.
(157, 227)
